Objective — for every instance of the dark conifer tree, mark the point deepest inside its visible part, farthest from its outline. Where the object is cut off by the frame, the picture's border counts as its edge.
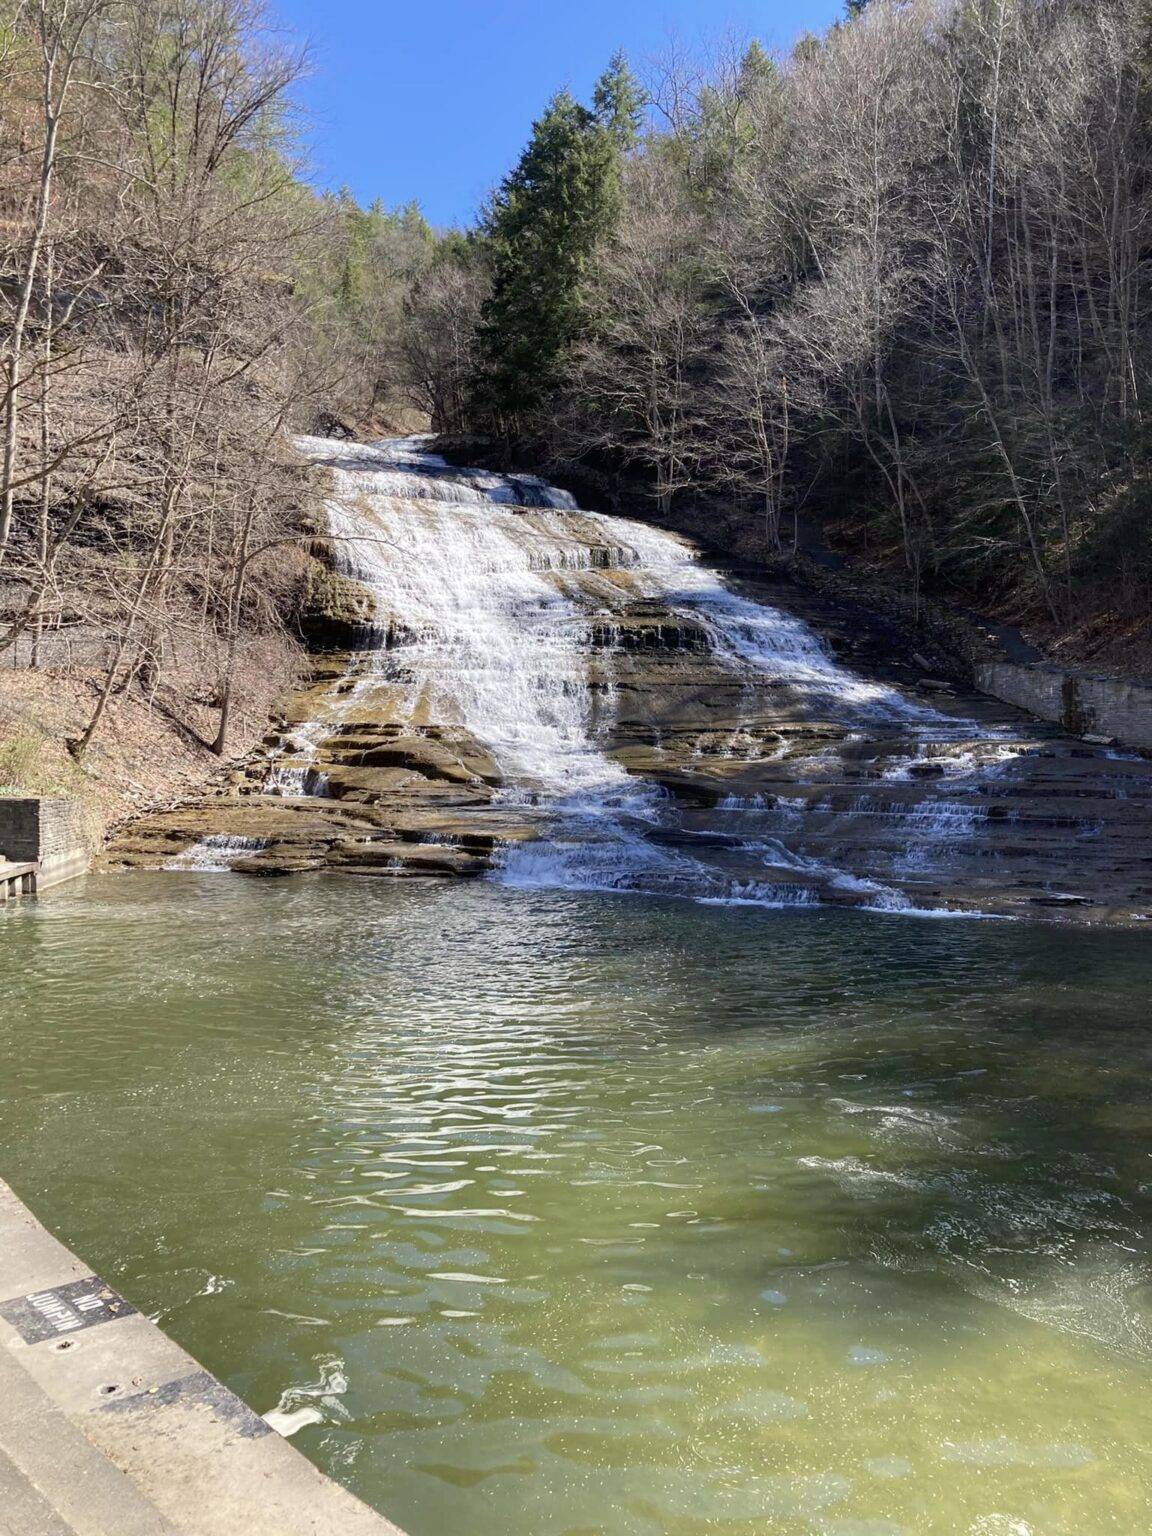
(619, 102)
(542, 228)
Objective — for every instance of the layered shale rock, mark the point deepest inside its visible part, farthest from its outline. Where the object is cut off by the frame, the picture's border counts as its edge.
(570, 699)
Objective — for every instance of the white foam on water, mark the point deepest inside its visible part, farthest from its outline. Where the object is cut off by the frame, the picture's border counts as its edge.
(960, 761)
(288, 1424)
(314, 1402)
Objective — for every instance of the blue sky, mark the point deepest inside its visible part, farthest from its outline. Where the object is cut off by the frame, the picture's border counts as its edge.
(433, 99)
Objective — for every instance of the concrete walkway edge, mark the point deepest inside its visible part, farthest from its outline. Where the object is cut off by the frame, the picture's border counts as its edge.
(108, 1428)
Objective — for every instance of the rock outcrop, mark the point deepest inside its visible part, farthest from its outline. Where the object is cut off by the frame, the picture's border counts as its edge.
(576, 700)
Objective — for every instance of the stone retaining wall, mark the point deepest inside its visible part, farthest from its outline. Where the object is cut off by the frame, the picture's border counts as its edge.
(1082, 703)
(50, 831)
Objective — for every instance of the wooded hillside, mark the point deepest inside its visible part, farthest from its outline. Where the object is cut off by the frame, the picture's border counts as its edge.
(174, 299)
(896, 282)
(892, 289)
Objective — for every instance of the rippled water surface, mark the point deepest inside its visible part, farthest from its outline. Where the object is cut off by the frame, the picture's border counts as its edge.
(563, 1215)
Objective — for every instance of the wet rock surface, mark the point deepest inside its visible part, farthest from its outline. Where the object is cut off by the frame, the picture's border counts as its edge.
(576, 700)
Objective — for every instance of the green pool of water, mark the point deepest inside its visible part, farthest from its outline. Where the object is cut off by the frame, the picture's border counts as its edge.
(567, 1215)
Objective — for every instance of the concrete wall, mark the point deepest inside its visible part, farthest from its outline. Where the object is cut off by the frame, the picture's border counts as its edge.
(1080, 702)
(50, 831)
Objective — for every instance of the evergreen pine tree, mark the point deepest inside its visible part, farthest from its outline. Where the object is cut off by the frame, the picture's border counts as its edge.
(619, 102)
(541, 229)
(357, 226)
(757, 71)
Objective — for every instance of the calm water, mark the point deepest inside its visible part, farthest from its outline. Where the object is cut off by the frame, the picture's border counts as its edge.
(578, 1214)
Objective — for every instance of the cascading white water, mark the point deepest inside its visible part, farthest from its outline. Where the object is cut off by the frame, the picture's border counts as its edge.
(772, 643)
(489, 587)
(489, 641)
(216, 853)
(292, 770)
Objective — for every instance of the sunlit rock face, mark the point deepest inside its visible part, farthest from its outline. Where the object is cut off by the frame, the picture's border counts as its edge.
(553, 697)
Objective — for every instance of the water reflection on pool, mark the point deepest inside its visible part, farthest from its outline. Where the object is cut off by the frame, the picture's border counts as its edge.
(556, 1215)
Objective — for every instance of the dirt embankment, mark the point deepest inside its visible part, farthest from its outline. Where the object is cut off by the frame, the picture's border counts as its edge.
(149, 752)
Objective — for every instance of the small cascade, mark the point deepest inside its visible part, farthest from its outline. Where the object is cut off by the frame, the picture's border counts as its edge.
(292, 771)
(216, 853)
(934, 830)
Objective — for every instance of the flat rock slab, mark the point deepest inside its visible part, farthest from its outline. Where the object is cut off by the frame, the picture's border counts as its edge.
(967, 805)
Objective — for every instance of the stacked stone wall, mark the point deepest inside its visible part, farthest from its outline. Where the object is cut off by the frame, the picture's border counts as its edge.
(1078, 701)
(50, 831)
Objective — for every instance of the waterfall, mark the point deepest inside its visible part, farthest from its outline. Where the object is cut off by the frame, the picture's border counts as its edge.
(769, 642)
(493, 594)
(216, 853)
(467, 580)
(291, 771)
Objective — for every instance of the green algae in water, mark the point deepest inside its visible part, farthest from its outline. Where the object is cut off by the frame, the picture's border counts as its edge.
(561, 1213)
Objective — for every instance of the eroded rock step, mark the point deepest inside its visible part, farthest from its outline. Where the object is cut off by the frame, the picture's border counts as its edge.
(1026, 823)
(779, 778)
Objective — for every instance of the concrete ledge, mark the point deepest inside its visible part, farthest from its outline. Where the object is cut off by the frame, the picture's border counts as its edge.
(1081, 702)
(107, 1426)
